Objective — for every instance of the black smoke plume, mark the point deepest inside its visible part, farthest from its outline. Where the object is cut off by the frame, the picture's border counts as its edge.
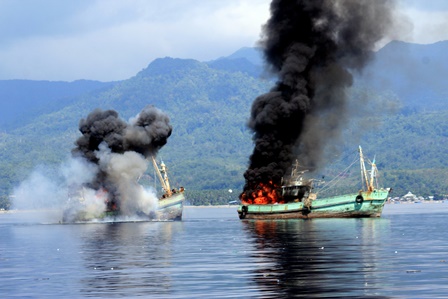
(312, 46)
(145, 134)
(105, 132)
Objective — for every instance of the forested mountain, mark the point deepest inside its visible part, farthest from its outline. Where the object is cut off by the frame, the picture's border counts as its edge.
(23, 100)
(246, 60)
(417, 74)
(209, 103)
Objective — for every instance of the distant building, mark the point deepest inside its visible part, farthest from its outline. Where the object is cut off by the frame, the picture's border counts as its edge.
(410, 197)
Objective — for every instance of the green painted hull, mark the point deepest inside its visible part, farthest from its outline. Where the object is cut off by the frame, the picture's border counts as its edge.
(344, 206)
(169, 209)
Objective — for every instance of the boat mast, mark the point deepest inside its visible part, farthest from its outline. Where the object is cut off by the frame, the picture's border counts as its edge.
(372, 174)
(363, 169)
(163, 179)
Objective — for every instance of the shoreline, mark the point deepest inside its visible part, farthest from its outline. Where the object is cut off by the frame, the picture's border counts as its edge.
(387, 203)
(220, 207)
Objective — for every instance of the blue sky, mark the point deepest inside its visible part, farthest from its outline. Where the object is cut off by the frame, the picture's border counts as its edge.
(110, 40)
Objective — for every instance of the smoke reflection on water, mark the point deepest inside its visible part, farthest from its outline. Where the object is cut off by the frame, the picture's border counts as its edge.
(320, 257)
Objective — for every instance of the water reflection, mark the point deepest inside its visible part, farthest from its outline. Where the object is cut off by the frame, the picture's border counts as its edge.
(128, 259)
(317, 258)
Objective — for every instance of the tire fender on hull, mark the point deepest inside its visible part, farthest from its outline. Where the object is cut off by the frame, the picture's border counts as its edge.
(359, 199)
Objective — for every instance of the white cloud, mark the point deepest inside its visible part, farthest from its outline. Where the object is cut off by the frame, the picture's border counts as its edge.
(114, 39)
(427, 26)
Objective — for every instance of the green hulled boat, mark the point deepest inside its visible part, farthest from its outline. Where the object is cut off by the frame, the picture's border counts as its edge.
(169, 206)
(299, 201)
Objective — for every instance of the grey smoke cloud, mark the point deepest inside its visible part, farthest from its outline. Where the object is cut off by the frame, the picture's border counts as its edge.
(118, 148)
(104, 168)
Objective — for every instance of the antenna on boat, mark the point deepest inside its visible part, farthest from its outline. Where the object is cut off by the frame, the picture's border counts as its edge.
(373, 172)
(295, 169)
(363, 169)
(163, 179)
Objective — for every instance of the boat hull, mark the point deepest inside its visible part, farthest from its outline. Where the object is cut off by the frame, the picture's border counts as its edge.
(345, 206)
(169, 209)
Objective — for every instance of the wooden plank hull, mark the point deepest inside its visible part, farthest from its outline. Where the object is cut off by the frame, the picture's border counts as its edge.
(344, 206)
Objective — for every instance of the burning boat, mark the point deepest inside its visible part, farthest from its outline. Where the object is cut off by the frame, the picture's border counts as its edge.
(171, 204)
(296, 199)
(168, 208)
(312, 48)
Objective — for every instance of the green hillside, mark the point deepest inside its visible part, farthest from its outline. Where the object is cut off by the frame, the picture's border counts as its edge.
(208, 109)
(23, 100)
(210, 145)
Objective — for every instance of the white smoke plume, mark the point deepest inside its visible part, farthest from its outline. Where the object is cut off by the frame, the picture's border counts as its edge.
(50, 191)
(41, 191)
(104, 170)
(124, 171)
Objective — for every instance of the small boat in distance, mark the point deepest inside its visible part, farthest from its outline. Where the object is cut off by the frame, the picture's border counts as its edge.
(169, 206)
(299, 201)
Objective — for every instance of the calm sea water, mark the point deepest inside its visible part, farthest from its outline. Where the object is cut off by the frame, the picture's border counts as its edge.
(212, 254)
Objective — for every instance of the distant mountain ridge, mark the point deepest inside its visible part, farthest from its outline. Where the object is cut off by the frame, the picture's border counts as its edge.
(246, 60)
(423, 65)
(254, 55)
(21, 100)
(416, 73)
(168, 65)
(209, 104)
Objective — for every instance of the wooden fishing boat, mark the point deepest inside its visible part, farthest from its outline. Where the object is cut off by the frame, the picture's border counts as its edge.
(169, 207)
(300, 201)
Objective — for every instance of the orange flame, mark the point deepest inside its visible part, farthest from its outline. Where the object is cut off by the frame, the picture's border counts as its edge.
(103, 194)
(264, 193)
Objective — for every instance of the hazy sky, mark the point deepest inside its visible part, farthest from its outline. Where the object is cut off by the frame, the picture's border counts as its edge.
(114, 39)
